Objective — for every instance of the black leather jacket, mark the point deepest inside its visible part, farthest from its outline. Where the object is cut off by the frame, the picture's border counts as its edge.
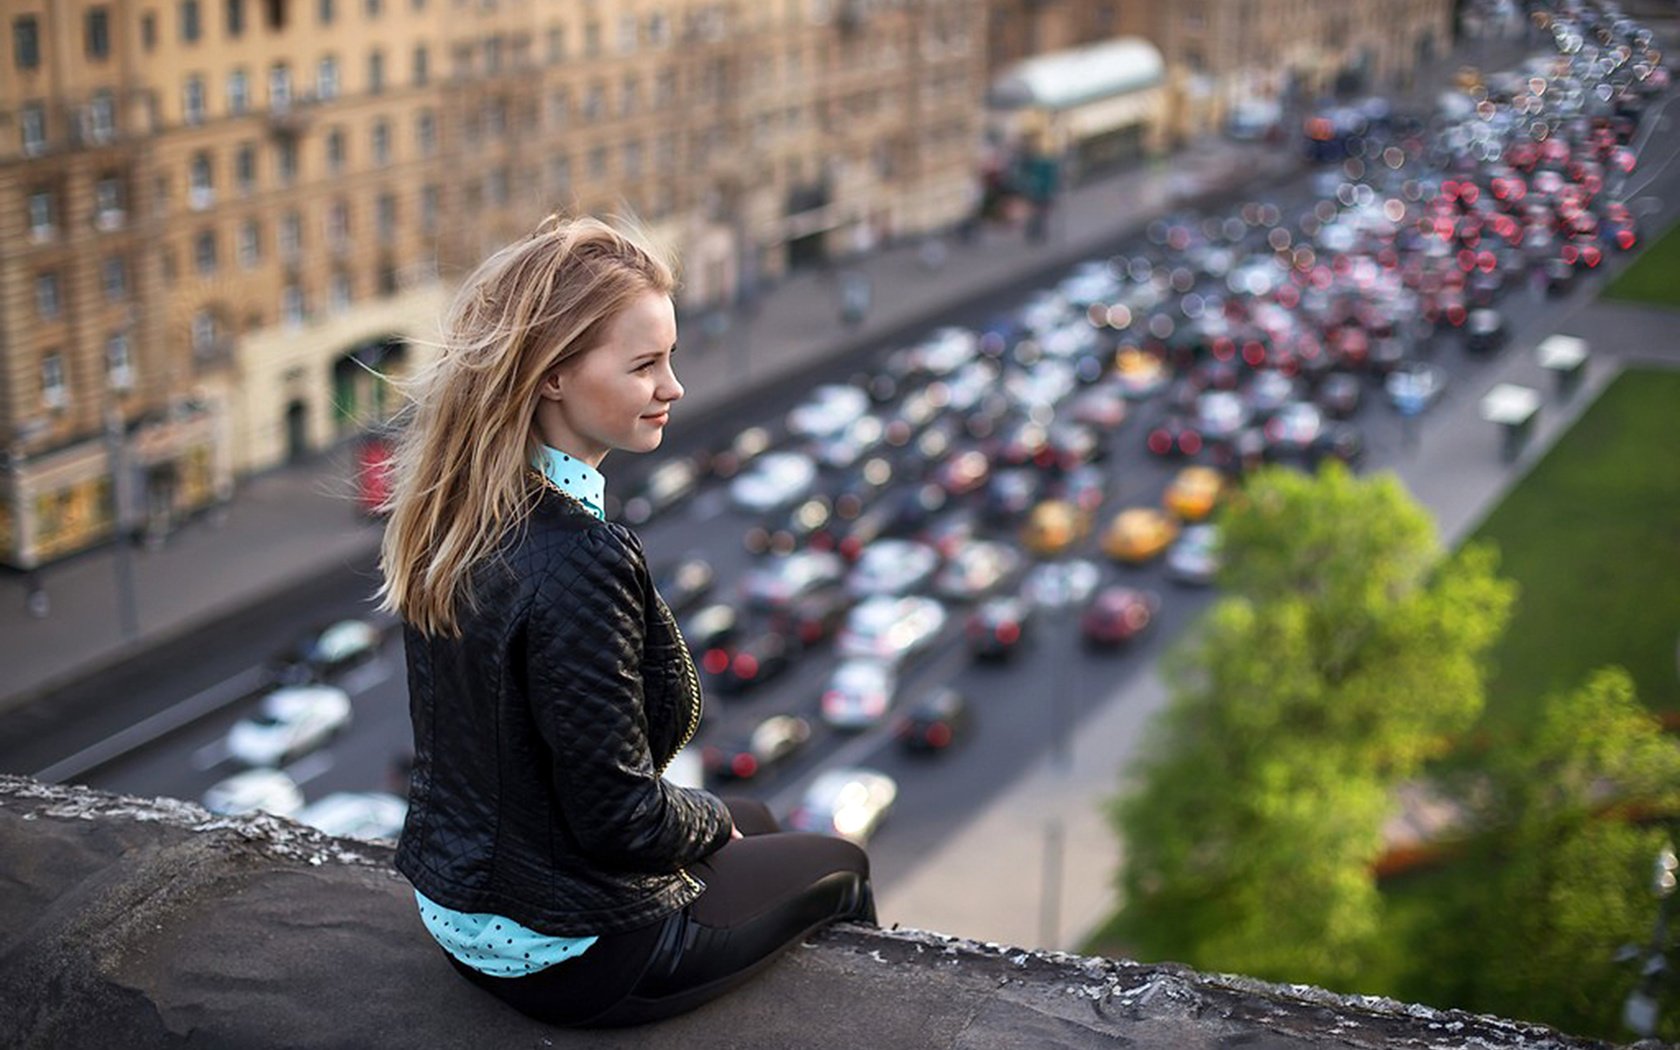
(540, 735)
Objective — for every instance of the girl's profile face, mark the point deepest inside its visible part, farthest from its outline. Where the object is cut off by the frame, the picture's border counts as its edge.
(619, 394)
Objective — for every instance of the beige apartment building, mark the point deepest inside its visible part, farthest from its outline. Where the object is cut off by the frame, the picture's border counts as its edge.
(223, 221)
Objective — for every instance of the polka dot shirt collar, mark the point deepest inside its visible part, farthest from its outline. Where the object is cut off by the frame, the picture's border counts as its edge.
(575, 477)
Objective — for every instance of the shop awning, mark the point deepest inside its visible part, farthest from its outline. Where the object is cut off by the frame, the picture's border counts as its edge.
(1065, 79)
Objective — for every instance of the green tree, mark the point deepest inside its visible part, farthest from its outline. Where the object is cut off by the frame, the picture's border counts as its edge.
(1347, 652)
(1563, 865)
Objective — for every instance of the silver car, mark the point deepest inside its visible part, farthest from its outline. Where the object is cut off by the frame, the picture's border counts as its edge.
(891, 629)
(290, 722)
(849, 803)
(892, 566)
(773, 480)
(859, 695)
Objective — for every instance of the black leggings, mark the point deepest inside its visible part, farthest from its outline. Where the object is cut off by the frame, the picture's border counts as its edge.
(764, 893)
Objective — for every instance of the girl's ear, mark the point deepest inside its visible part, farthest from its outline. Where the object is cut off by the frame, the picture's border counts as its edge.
(553, 385)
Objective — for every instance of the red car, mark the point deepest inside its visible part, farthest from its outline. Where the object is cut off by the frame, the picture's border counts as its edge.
(1118, 614)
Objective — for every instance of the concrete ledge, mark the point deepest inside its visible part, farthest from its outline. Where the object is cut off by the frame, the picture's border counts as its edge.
(150, 923)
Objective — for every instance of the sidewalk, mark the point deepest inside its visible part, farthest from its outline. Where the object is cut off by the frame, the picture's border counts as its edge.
(1455, 470)
(295, 523)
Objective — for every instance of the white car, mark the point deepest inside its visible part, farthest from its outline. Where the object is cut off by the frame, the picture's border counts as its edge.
(946, 350)
(291, 721)
(1194, 559)
(848, 802)
(1091, 281)
(356, 815)
(859, 695)
(977, 569)
(254, 791)
(890, 629)
(775, 479)
(892, 566)
(831, 408)
(1062, 584)
(782, 578)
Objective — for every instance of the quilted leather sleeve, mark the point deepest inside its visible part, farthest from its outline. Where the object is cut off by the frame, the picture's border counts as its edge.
(584, 652)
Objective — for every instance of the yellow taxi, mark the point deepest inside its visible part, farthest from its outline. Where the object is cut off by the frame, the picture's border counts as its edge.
(1054, 526)
(1194, 492)
(1138, 373)
(1139, 534)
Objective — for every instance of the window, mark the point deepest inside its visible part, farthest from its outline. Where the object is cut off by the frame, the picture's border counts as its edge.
(422, 65)
(326, 79)
(119, 365)
(595, 102)
(665, 153)
(26, 42)
(160, 194)
(291, 236)
(495, 117)
(338, 225)
(632, 95)
(559, 174)
(235, 18)
(108, 203)
(493, 55)
(425, 131)
(499, 186)
(324, 12)
(54, 392)
(658, 30)
(204, 335)
(557, 107)
(238, 93)
(192, 100)
(250, 244)
(598, 162)
(292, 307)
(245, 167)
(592, 40)
(372, 7)
(632, 160)
(381, 142)
(201, 185)
(335, 151)
(428, 209)
(190, 28)
(387, 213)
(47, 303)
(463, 61)
(40, 214)
(376, 72)
(279, 87)
(148, 31)
(286, 161)
(33, 123)
(339, 292)
(97, 33)
(665, 89)
(113, 278)
(556, 44)
(204, 253)
(626, 34)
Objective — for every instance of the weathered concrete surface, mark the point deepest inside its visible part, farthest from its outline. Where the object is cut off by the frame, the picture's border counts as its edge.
(149, 923)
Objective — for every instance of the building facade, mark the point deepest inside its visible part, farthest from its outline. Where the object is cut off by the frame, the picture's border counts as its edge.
(226, 224)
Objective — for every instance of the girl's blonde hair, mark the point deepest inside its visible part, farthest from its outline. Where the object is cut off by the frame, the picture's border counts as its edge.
(459, 481)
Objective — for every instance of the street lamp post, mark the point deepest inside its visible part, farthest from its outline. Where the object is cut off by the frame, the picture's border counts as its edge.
(116, 450)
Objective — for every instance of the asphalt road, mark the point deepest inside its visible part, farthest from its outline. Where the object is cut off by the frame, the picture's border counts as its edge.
(1020, 708)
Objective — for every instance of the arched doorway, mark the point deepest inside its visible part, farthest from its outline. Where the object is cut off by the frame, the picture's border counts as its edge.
(297, 431)
(362, 395)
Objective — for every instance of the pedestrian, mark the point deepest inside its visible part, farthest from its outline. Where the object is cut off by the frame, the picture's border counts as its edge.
(36, 601)
(549, 684)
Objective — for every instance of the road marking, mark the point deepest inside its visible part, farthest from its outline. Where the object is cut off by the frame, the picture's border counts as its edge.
(147, 730)
(211, 755)
(359, 680)
(309, 767)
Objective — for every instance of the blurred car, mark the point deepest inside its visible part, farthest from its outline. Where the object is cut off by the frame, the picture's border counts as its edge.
(1220, 414)
(289, 723)
(753, 659)
(996, 629)
(1344, 442)
(891, 629)
(781, 578)
(1484, 332)
(1060, 584)
(812, 617)
(1194, 492)
(850, 443)
(1339, 395)
(668, 485)
(963, 472)
(892, 566)
(1269, 391)
(1138, 374)
(685, 584)
(935, 722)
(1139, 534)
(1011, 493)
(802, 523)
(976, 569)
(1118, 614)
(849, 802)
(254, 791)
(1194, 559)
(859, 694)
(830, 409)
(356, 815)
(1054, 526)
(1174, 436)
(1294, 430)
(1084, 486)
(1412, 388)
(1073, 445)
(742, 449)
(773, 480)
(710, 632)
(327, 651)
(1101, 406)
(771, 743)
